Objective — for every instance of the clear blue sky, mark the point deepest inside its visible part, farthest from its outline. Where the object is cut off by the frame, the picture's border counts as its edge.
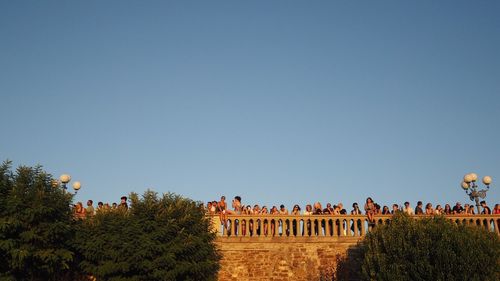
(276, 101)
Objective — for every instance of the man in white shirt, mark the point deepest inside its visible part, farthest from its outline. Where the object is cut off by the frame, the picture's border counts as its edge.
(408, 209)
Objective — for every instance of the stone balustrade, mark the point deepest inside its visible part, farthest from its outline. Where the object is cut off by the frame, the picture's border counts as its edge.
(291, 226)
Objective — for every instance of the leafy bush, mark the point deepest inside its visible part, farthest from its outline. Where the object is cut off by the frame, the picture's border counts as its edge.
(430, 249)
(159, 238)
(35, 226)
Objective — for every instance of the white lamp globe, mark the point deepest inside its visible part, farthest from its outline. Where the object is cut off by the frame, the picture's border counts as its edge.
(65, 178)
(77, 185)
(473, 176)
(465, 185)
(468, 178)
(487, 180)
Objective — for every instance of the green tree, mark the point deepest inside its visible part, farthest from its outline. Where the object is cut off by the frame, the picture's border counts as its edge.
(159, 238)
(35, 226)
(430, 249)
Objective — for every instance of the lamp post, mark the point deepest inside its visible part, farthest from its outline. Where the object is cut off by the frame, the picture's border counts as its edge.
(65, 179)
(471, 188)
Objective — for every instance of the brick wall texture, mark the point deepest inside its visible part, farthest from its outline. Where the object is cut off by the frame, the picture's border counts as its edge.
(300, 258)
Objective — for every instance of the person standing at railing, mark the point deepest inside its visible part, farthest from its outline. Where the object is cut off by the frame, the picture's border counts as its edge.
(408, 209)
(295, 212)
(211, 208)
(395, 209)
(255, 225)
(439, 210)
(247, 210)
(79, 211)
(496, 211)
(283, 210)
(385, 211)
(428, 209)
(274, 211)
(265, 222)
(256, 209)
(356, 211)
(419, 209)
(486, 209)
(447, 210)
(237, 207)
(341, 208)
(468, 209)
(328, 210)
(284, 228)
(457, 209)
(471, 210)
(307, 212)
(318, 210)
(100, 207)
(90, 208)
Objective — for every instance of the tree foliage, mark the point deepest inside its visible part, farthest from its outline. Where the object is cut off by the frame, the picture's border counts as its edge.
(430, 249)
(35, 226)
(159, 238)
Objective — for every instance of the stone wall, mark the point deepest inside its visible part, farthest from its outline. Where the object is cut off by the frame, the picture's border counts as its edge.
(286, 258)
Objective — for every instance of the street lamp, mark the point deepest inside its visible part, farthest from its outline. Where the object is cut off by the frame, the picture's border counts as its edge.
(65, 179)
(471, 188)
(76, 186)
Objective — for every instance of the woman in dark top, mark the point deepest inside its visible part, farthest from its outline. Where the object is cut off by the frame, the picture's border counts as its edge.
(447, 210)
(328, 210)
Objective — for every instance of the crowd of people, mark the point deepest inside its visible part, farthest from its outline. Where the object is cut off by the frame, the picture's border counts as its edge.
(371, 209)
(81, 212)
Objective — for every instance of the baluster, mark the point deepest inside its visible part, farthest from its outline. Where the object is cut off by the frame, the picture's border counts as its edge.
(341, 225)
(363, 230)
(243, 227)
(233, 227)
